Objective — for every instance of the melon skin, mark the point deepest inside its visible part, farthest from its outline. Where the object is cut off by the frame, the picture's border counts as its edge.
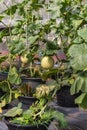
(47, 62)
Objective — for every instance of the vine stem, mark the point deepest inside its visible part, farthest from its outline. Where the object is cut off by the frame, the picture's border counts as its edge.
(26, 27)
(31, 72)
(40, 113)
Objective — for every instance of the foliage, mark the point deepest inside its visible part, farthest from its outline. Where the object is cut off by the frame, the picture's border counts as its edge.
(80, 86)
(2, 59)
(43, 90)
(15, 111)
(77, 52)
(9, 93)
(67, 23)
(38, 113)
(65, 75)
(66, 17)
(13, 76)
(29, 37)
(46, 91)
(29, 28)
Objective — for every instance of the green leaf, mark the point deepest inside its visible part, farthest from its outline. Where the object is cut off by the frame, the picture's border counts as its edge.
(5, 86)
(51, 45)
(78, 54)
(33, 39)
(76, 23)
(16, 47)
(3, 33)
(80, 84)
(7, 96)
(49, 73)
(77, 85)
(5, 99)
(83, 33)
(13, 76)
(19, 105)
(17, 30)
(27, 113)
(13, 112)
(50, 52)
(11, 10)
(2, 103)
(84, 102)
(54, 10)
(80, 99)
(78, 40)
(3, 58)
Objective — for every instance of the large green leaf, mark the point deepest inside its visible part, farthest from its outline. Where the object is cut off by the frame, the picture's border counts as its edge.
(54, 9)
(13, 76)
(82, 100)
(80, 84)
(14, 112)
(79, 99)
(16, 47)
(78, 53)
(83, 33)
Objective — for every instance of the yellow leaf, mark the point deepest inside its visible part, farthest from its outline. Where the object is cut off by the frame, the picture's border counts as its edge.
(0, 110)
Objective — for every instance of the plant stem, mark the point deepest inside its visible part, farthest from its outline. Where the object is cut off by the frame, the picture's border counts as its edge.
(40, 113)
(31, 72)
(26, 27)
